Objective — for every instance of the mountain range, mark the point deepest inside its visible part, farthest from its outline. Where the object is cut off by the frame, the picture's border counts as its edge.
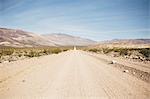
(125, 43)
(20, 38)
(128, 41)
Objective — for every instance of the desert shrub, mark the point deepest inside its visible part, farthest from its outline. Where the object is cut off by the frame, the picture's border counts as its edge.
(107, 50)
(19, 55)
(30, 54)
(93, 50)
(56, 51)
(123, 51)
(65, 50)
(0, 55)
(7, 52)
(36, 54)
(116, 49)
(145, 52)
(46, 52)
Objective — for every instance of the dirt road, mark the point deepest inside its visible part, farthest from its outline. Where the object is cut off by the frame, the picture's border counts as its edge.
(69, 75)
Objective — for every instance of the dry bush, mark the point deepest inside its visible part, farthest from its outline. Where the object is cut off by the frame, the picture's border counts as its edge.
(19, 53)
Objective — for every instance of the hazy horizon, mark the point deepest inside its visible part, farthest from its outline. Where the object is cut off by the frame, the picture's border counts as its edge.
(97, 20)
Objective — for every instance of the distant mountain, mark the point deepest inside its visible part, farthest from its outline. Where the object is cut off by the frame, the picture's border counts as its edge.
(65, 40)
(129, 43)
(20, 38)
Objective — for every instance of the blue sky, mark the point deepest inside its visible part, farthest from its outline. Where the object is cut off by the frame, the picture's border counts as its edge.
(94, 19)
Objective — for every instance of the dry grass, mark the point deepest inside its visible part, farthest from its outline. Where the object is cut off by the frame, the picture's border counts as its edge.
(135, 53)
(12, 54)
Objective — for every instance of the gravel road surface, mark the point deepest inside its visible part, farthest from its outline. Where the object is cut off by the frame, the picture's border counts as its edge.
(73, 74)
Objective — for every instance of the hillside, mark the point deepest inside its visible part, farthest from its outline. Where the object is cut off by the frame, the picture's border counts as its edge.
(129, 41)
(65, 40)
(125, 43)
(20, 38)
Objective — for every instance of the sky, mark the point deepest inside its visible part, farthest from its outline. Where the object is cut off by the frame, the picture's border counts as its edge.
(94, 19)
